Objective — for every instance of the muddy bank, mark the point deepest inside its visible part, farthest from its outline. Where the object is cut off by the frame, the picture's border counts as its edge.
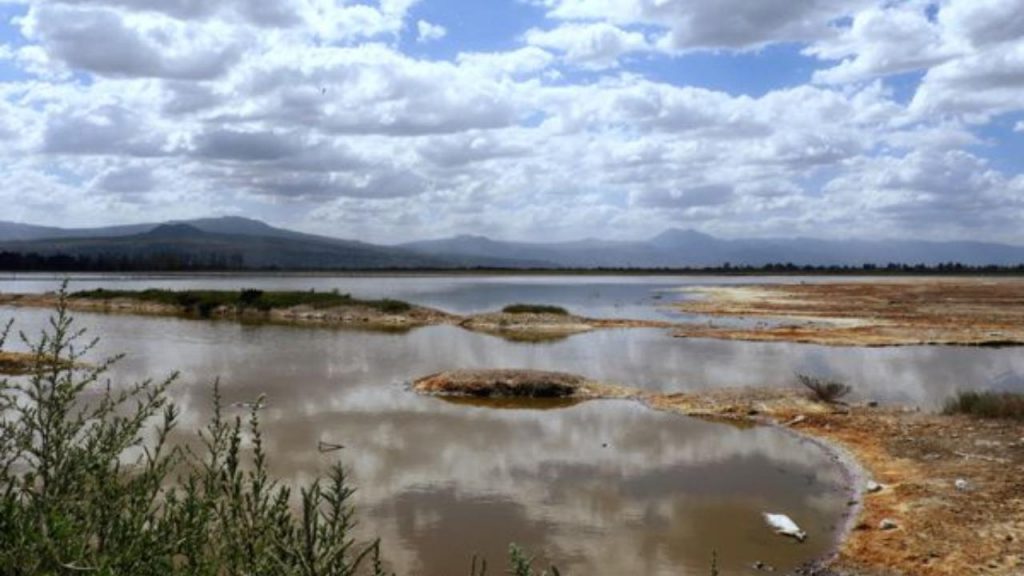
(540, 327)
(511, 326)
(21, 363)
(952, 490)
(354, 315)
(919, 311)
(16, 363)
(918, 458)
(513, 384)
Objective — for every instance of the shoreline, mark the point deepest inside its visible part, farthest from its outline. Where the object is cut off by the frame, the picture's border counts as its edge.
(918, 460)
(529, 326)
(979, 311)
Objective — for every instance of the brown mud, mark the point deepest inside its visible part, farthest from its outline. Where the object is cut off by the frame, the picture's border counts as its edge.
(880, 312)
(17, 363)
(516, 327)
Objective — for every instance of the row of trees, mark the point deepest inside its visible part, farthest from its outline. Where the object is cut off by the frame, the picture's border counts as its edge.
(156, 262)
(183, 261)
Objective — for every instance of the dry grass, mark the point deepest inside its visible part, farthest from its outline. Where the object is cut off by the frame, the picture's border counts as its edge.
(999, 405)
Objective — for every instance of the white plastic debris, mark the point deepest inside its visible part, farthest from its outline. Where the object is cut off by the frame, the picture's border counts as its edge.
(961, 484)
(785, 526)
(873, 487)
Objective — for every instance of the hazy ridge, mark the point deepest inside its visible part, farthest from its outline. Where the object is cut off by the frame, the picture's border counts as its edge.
(246, 243)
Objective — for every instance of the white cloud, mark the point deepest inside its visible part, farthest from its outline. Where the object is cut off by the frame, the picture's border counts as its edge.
(971, 53)
(725, 24)
(883, 40)
(976, 87)
(427, 32)
(1019, 127)
(592, 45)
(106, 42)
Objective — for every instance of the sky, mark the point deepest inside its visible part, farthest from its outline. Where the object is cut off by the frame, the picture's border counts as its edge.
(543, 120)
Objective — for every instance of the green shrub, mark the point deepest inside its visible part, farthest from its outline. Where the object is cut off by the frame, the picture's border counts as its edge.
(534, 309)
(988, 404)
(829, 391)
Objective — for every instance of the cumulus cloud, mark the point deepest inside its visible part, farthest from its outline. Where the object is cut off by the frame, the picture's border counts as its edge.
(975, 87)
(970, 51)
(106, 42)
(127, 181)
(726, 24)
(593, 45)
(108, 130)
(426, 32)
(883, 40)
(684, 196)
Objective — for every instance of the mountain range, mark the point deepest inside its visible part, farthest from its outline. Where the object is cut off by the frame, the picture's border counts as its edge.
(233, 242)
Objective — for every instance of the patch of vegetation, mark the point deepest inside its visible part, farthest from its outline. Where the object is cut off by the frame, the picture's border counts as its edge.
(987, 404)
(534, 309)
(205, 302)
(828, 391)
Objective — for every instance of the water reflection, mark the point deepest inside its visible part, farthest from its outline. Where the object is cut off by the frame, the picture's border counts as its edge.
(598, 487)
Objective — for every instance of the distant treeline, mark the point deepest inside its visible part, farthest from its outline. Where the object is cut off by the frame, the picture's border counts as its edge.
(234, 262)
(156, 262)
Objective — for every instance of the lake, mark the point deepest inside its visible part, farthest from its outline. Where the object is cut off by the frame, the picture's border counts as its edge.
(602, 487)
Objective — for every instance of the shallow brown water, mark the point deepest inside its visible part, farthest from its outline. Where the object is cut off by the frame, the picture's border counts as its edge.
(602, 487)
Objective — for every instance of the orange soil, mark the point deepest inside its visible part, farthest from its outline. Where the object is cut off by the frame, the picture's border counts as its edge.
(968, 311)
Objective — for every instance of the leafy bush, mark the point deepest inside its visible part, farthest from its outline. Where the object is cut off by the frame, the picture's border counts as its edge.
(1007, 405)
(829, 391)
(534, 309)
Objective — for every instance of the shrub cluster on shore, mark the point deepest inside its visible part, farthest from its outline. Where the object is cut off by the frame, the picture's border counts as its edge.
(534, 309)
(987, 404)
(204, 302)
(823, 389)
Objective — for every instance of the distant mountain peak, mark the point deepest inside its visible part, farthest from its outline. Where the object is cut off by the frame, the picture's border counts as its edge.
(174, 230)
(675, 236)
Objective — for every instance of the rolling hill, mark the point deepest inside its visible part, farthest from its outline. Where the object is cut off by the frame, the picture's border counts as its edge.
(241, 243)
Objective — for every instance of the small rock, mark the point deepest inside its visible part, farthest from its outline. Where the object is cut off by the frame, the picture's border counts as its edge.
(887, 524)
(961, 484)
(872, 487)
(873, 404)
(852, 502)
